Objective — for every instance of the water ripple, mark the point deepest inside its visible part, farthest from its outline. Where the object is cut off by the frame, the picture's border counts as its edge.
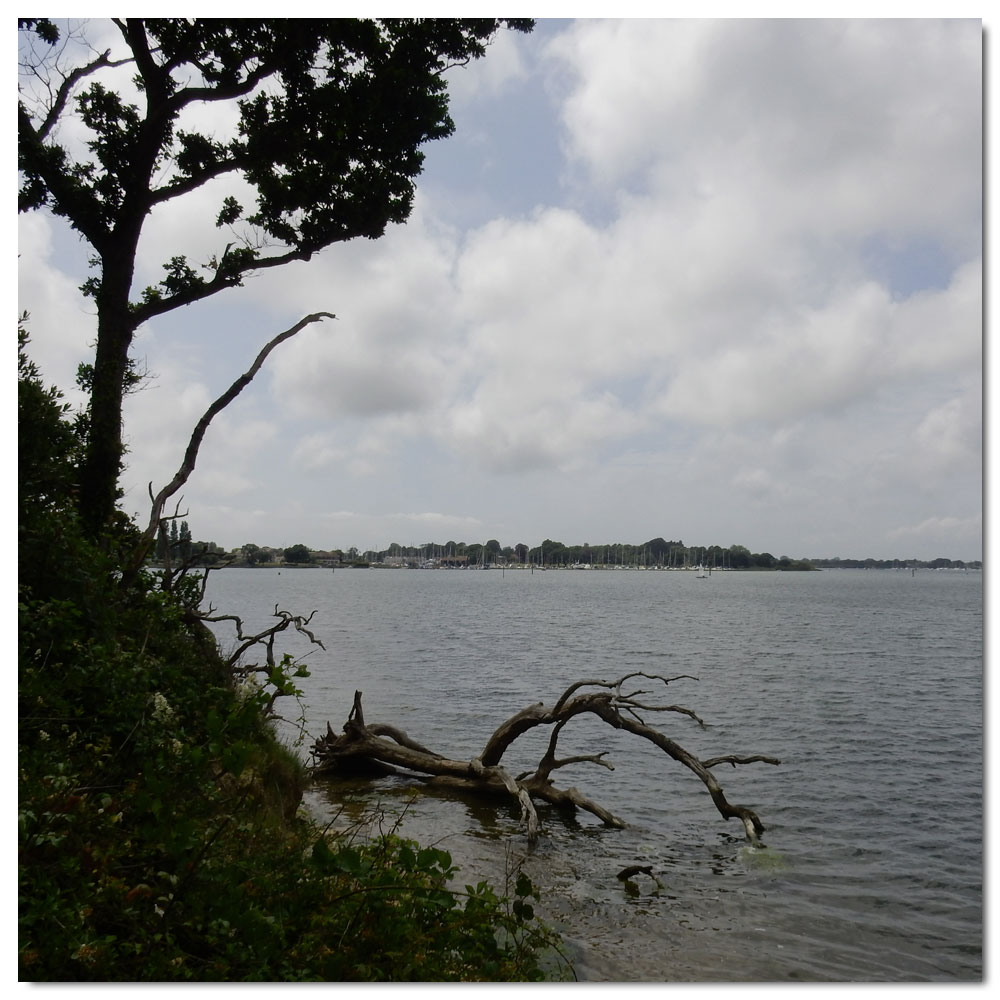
(868, 686)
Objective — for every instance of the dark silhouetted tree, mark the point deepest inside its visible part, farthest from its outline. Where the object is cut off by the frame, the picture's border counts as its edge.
(297, 554)
(329, 116)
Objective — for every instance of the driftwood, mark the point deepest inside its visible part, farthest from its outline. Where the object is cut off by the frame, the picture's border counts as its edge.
(378, 749)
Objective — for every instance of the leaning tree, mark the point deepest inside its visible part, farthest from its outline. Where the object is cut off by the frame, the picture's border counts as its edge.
(328, 119)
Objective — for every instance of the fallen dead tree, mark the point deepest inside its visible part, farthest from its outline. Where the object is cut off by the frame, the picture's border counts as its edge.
(380, 749)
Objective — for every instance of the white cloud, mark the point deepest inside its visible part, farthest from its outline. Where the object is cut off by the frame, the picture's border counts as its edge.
(387, 351)
(946, 532)
(491, 75)
(61, 323)
(950, 435)
(730, 286)
(699, 344)
(859, 124)
(379, 530)
(322, 450)
(811, 359)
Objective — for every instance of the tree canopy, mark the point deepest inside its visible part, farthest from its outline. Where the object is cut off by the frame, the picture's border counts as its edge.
(297, 553)
(329, 117)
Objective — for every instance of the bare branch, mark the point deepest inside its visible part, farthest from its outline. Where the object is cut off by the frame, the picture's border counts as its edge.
(632, 704)
(616, 685)
(300, 624)
(549, 763)
(191, 454)
(266, 637)
(66, 87)
(528, 814)
(627, 873)
(730, 759)
(45, 68)
(394, 733)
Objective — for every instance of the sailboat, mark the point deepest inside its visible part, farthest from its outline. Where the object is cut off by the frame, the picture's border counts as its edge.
(701, 575)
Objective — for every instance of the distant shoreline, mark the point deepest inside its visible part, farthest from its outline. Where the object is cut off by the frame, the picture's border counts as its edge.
(814, 567)
(657, 554)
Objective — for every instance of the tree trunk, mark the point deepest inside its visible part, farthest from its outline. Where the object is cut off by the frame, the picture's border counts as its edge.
(372, 748)
(102, 464)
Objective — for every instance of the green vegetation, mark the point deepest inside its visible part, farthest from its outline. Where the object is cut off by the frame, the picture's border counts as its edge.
(654, 554)
(940, 563)
(160, 837)
(297, 554)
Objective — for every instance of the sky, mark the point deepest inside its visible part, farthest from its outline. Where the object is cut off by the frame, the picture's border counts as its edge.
(718, 281)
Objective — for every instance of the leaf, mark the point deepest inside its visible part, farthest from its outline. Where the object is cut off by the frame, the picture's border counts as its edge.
(431, 857)
(322, 856)
(349, 861)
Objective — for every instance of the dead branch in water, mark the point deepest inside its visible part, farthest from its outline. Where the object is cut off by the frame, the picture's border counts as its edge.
(379, 749)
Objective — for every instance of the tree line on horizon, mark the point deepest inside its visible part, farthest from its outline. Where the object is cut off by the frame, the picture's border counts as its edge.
(657, 553)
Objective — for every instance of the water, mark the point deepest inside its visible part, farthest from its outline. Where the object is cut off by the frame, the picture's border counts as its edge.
(867, 685)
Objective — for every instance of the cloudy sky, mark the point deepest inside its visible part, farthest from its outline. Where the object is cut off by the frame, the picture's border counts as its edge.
(719, 281)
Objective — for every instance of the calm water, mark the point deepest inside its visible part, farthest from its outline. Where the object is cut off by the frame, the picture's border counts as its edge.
(867, 685)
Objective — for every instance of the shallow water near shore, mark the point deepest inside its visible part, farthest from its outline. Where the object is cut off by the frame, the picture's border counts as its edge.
(868, 685)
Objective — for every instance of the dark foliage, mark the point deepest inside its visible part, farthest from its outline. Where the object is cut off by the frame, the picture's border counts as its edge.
(159, 832)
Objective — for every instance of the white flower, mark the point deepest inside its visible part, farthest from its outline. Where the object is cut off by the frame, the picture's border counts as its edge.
(162, 711)
(249, 687)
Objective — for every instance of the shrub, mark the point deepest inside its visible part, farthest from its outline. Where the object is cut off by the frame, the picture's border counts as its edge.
(159, 837)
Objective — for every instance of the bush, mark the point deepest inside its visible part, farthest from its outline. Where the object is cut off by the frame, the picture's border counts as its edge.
(158, 839)
(159, 836)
